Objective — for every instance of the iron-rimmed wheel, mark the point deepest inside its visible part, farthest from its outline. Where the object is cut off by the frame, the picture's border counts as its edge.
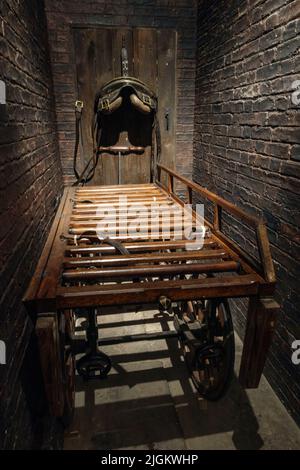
(210, 356)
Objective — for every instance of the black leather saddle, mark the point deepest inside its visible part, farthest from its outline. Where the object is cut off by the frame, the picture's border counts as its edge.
(112, 95)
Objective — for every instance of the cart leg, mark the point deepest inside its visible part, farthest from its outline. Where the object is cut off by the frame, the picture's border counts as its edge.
(54, 332)
(94, 364)
(261, 320)
(47, 332)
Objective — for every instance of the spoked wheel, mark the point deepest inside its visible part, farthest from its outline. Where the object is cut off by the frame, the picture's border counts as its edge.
(210, 353)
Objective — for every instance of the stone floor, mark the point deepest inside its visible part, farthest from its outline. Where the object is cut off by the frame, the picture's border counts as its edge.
(148, 401)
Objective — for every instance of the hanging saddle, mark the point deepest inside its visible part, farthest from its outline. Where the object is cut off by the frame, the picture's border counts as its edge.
(114, 93)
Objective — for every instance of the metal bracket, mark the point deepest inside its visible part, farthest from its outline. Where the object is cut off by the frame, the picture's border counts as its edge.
(104, 105)
(146, 99)
(78, 106)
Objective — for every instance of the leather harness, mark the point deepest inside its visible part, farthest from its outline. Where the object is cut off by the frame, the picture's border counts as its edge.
(109, 98)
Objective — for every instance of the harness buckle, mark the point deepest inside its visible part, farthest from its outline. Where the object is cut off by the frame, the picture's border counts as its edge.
(146, 99)
(78, 106)
(104, 105)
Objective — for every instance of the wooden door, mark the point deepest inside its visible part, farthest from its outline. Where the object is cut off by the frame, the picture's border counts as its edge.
(152, 59)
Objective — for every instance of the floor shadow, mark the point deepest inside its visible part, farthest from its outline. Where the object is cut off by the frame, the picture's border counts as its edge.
(110, 416)
(231, 413)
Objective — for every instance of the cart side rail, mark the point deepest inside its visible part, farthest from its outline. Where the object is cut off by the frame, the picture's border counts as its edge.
(266, 262)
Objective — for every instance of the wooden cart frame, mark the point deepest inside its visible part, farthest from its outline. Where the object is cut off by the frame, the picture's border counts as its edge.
(78, 271)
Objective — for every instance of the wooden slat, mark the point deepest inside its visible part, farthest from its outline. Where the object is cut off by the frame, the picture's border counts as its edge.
(192, 289)
(145, 271)
(120, 222)
(172, 236)
(114, 200)
(121, 188)
(135, 247)
(137, 190)
(126, 211)
(98, 205)
(77, 227)
(122, 235)
(145, 258)
(128, 195)
(121, 215)
(127, 189)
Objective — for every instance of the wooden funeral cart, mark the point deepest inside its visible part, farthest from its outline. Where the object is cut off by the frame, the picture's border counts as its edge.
(80, 273)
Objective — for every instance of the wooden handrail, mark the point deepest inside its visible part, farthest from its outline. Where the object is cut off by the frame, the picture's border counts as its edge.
(219, 204)
(252, 221)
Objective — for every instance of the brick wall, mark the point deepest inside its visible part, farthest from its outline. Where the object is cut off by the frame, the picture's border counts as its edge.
(246, 149)
(30, 182)
(175, 14)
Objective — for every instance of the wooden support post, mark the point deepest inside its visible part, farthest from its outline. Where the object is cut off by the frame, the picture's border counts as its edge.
(48, 338)
(170, 184)
(189, 195)
(158, 174)
(265, 253)
(261, 320)
(217, 217)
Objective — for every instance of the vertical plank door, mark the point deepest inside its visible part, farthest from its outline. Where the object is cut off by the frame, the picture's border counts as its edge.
(152, 59)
